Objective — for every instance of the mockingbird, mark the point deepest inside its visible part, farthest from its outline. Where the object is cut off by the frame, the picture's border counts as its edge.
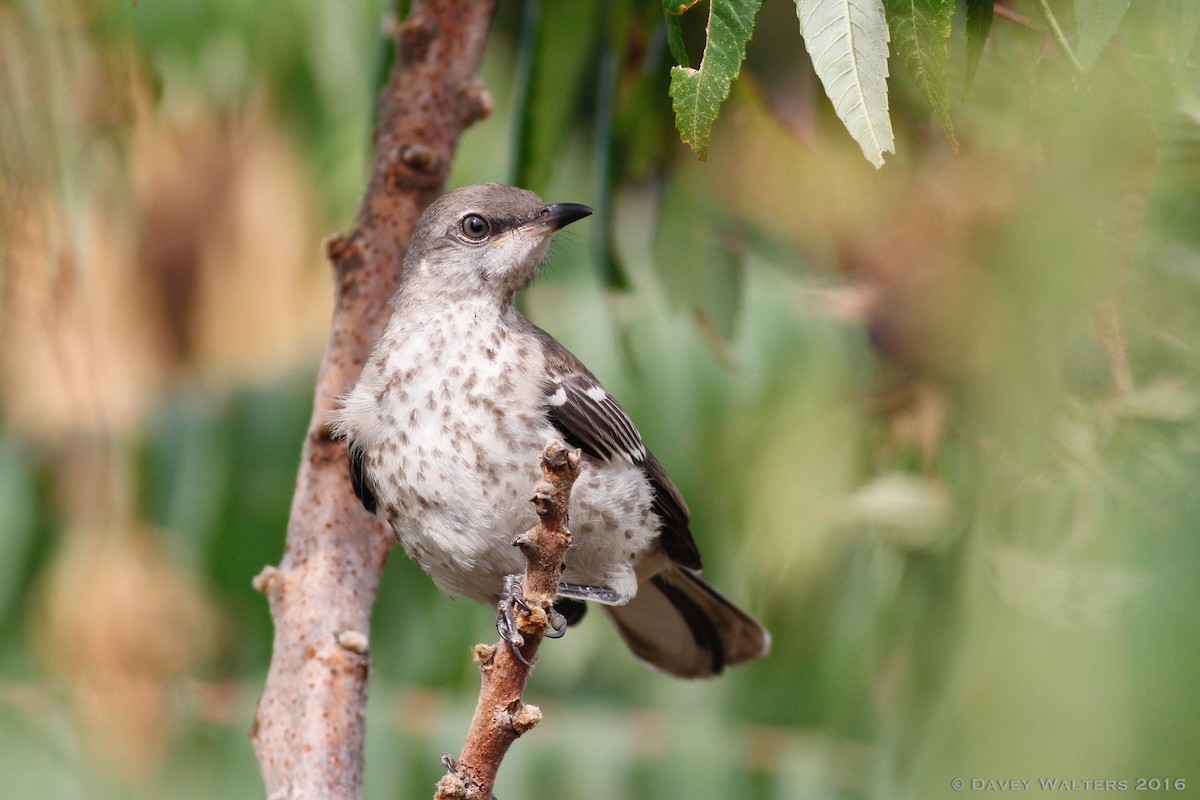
(456, 402)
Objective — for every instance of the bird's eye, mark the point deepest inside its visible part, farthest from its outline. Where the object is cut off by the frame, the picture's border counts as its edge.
(475, 226)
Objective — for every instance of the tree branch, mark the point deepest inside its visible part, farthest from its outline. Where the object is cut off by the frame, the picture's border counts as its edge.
(309, 727)
(500, 714)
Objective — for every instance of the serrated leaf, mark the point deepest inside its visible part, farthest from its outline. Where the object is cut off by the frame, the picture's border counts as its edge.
(696, 95)
(847, 41)
(556, 54)
(979, 24)
(1096, 22)
(920, 36)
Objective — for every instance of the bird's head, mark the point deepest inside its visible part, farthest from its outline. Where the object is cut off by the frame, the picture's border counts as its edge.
(487, 240)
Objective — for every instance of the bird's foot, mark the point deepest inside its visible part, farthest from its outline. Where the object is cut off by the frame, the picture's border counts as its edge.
(511, 599)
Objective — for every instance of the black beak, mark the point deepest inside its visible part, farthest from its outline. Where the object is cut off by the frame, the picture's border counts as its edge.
(557, 216)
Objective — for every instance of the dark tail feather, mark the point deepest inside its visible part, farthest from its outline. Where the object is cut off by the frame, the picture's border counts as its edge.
(681, 625)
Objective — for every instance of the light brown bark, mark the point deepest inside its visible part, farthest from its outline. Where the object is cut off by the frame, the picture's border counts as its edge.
(309, 727)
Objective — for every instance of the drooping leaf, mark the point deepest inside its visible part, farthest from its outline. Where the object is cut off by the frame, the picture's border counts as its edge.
(920, 36)
(697, 94)
(847, 41)
(979, 24)
(1097, 21)
(557, 45)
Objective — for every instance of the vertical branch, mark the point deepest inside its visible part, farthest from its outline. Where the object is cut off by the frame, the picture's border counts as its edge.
(309, 727)
(500, 714)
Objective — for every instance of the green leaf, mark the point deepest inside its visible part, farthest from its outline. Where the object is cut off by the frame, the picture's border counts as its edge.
(697, 94)
(920, 36)
(556, 48)
(1097, 21)
(848, 44)
(979, 24)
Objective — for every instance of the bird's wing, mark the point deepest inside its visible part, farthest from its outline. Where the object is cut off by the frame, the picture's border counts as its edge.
(590, 419)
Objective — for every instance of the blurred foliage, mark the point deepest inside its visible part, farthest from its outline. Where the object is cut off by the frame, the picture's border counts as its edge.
(938, 424)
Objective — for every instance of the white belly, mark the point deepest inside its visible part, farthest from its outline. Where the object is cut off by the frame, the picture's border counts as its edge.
(451, 422)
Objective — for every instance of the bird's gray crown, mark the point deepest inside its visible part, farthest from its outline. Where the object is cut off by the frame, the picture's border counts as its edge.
(487, 240)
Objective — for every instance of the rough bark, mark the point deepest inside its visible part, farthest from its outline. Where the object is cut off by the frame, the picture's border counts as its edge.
(500, 714)
(309, 727)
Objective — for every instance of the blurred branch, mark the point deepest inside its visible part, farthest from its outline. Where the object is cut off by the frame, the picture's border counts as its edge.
(1060, 38)
(308, 731)
(500, 715)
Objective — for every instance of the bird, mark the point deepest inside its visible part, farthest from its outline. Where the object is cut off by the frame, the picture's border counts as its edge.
(447, 419)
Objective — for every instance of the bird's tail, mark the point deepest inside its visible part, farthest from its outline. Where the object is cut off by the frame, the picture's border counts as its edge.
(679, 624)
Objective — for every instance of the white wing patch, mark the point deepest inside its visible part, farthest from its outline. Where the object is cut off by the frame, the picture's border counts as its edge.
(598, 422)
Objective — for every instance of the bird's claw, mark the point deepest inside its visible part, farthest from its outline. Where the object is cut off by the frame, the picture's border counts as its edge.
(512, 598)
(506, 618)
(558, 625)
